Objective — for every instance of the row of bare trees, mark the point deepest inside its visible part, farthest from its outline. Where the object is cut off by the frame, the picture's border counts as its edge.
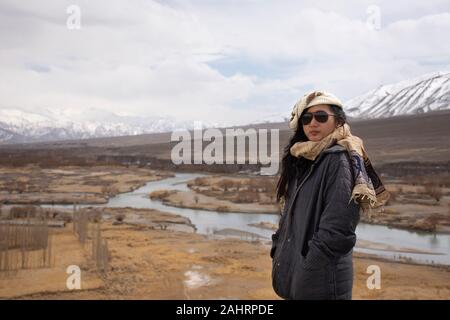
(24, 246)
(87, 227)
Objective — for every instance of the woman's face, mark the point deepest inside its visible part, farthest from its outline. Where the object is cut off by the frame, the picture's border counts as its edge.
(316, 131)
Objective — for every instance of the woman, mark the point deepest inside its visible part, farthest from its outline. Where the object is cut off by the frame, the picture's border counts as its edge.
(324, 168)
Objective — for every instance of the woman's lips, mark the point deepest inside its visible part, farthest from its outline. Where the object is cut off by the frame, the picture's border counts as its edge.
(314, 133)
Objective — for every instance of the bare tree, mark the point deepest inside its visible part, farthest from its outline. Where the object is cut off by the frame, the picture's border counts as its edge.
(25, 245)
(226, 184)
(433, 191)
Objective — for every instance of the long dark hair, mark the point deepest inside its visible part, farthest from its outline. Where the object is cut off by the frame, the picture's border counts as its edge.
(292, 166)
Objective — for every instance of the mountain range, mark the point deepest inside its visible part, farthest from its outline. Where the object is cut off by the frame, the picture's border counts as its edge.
(426, 93)
(430, 92)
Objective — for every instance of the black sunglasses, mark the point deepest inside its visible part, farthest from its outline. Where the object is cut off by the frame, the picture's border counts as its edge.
(320, 116)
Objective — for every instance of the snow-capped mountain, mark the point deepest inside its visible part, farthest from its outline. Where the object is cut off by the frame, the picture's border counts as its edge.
(429, 92)
(426, 93)
(18, 126)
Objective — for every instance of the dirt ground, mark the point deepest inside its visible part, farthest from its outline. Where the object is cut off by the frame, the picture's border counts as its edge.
(149, 263)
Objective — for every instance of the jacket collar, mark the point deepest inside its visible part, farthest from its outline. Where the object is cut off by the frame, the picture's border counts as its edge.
(336, 148)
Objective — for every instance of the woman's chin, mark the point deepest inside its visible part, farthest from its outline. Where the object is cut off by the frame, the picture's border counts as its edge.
(315, 138)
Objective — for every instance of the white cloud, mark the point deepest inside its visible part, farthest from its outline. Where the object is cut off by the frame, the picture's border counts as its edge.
(165, 58)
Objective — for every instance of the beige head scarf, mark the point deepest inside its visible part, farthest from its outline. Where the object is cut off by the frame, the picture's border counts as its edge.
(368, 190)
(310, 99)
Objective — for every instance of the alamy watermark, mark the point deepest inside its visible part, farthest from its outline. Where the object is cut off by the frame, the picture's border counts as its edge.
(374, 280)
(257, 152)
(373, 21)
(73, 21)
(73, 281)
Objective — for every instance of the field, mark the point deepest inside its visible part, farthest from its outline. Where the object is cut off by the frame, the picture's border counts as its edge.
(132, 253)
(151, 263)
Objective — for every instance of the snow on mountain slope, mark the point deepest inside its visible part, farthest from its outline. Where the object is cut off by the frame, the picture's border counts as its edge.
(429, 92)
(24, 126)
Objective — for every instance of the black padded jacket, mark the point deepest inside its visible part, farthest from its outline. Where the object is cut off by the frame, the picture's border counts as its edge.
(312, 248)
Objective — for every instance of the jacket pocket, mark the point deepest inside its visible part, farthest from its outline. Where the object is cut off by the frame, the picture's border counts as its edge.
(315, 259)
(310, 283)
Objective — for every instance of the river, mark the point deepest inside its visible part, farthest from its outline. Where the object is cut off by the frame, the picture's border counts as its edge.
(209, 222)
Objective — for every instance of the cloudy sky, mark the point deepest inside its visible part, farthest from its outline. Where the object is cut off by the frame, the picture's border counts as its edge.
(226, 61)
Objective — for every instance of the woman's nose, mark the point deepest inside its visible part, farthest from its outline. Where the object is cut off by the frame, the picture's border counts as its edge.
(314, 123)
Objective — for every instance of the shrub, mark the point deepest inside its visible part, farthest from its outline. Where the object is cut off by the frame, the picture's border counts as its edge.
(161, 194)
(226, 184)
(120, 217)
(392, 197)
(223, 208)
(433, 191)
(22, 212)
(247, 197)
(201, 182)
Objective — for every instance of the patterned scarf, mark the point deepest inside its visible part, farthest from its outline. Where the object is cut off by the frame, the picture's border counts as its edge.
(368, 191)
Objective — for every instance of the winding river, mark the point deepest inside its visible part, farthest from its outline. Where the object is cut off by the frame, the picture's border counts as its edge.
(209, 222)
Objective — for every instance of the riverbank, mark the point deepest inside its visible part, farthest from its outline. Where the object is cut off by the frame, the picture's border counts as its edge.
(414, 217)
(411, 207)
(225, 193)
(194, 200)
(153, 263)
(360, 244)
(32, 185)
